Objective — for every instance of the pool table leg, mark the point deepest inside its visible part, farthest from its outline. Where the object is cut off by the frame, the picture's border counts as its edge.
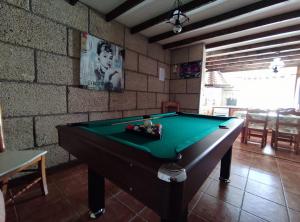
(96, 194)
(225, 166)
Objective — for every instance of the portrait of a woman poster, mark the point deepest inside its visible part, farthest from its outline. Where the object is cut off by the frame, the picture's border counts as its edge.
(101, 64)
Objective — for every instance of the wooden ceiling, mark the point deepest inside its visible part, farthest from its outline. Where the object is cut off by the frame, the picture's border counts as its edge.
(238, 34)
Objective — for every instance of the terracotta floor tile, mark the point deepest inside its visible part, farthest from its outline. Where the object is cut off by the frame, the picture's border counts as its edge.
(149, 215)
(240, 169)
(290, 174)
(10, 214)
(264, 209)
(215, 174)
(266, 191)
(244, 162)
(242, 155)
(255, 148)
(267, 164)
(129, 201)
(288, 155)
(206, 184)
(287, 165)
(137, 219)
(50, 208)
(226, 193)
(76, 192)
(110, 189)
(195, 200)
(215, 210)
(293, 200)
(246, 217)
(238, 181)
(294, 215)
(195, 218)
(235, 180)
(114, 211)
(68, 172)
(265, 177)
(291, 182)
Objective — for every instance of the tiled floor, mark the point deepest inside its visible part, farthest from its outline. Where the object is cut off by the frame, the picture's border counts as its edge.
(262, 188)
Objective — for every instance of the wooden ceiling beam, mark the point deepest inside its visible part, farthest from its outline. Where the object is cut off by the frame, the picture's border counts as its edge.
(256, 62)
(255, 52)
(255, 58)
(164, 16)
(218, 18)
(121, 9)
(251, 67)
(250, 25)
(265, 34)
(254, 46)
(243, 68)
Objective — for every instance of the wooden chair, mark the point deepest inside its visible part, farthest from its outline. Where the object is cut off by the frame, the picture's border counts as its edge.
(256, 125)
(15, 161)
(169, 106)
(287, 128)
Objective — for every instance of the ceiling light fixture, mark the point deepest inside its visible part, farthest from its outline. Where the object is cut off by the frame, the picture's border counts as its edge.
(178, 18)
(276, 64)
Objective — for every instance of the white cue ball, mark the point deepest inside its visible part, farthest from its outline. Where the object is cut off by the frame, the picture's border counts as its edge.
(149, 130)
(135, 128)
(147, 123)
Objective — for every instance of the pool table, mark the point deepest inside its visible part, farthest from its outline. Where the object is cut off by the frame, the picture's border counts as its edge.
(165, 173)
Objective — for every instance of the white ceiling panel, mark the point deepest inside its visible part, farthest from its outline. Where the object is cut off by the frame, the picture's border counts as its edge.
(103, 6)
(205, 12)
(232, 35)
(147, 10)
(259, 48)
(152, 8)
(250, 17)
(274, 37)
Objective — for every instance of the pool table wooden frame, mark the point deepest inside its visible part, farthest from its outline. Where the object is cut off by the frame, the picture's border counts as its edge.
(136, 171)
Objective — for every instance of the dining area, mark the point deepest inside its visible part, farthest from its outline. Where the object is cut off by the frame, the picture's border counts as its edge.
(276, 129)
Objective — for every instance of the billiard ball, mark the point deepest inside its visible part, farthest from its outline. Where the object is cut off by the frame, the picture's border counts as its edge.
(149, 130)
(130, 127)
(147, 123)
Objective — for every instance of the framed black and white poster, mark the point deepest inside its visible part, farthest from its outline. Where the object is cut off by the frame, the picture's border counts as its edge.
(101, 64)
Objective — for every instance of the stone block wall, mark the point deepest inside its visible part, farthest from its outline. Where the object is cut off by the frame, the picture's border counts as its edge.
(39, 73)
(186, 91)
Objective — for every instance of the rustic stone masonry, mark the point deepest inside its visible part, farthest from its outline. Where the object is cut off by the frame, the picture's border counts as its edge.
(186, 91)
(39, 73)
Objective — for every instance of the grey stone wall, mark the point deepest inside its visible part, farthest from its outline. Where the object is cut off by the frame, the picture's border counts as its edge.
(186, 91)
(39, 73)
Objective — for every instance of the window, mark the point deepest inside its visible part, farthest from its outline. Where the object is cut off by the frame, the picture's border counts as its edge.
(263, 88)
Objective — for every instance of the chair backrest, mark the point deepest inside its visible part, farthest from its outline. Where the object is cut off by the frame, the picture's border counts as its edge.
(257, 116)
(287, 118)
(2, 145)
(286, 110)
(169, 106)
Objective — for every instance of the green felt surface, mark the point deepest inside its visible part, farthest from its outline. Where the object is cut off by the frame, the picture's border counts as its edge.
(178, 132)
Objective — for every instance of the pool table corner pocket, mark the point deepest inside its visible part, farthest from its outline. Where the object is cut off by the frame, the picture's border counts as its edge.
(172, 172)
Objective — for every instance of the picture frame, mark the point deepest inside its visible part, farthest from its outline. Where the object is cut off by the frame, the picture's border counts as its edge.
(101, 64)
(190, 70)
